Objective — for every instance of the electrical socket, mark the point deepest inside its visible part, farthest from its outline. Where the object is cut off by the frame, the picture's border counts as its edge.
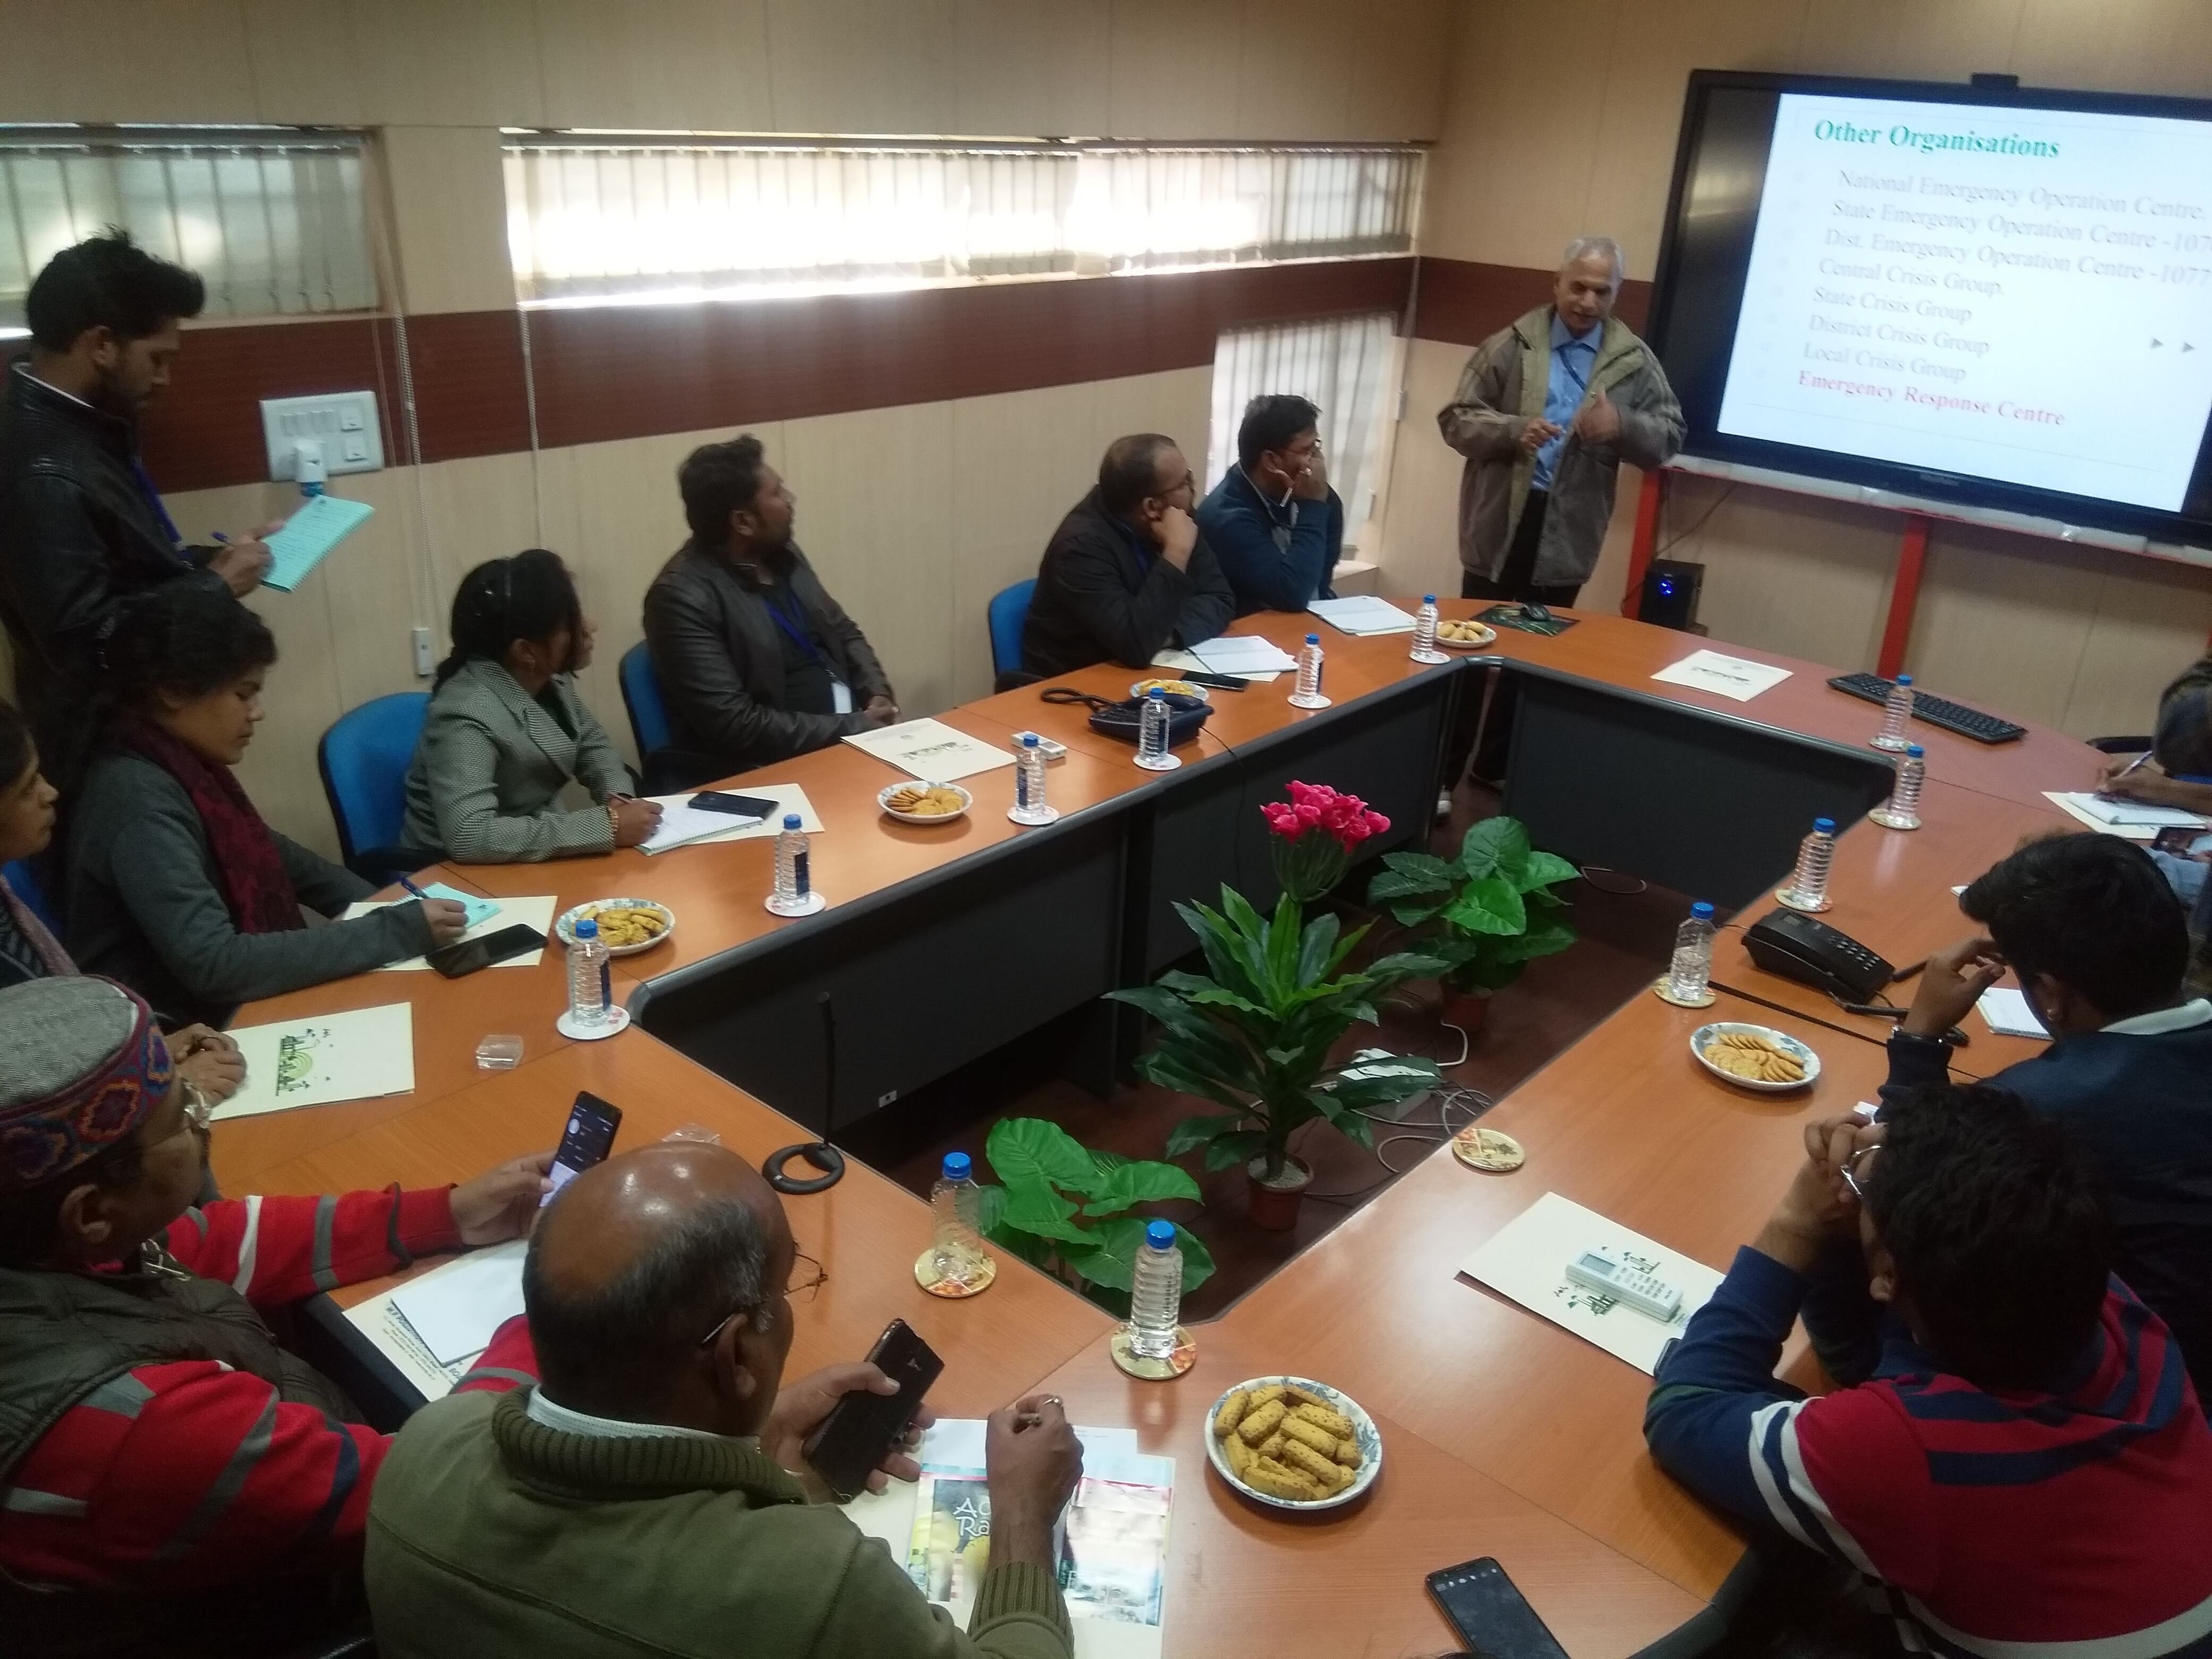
(425, 663)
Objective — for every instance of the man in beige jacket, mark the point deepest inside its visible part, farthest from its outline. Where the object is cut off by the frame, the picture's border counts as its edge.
(1546, 410)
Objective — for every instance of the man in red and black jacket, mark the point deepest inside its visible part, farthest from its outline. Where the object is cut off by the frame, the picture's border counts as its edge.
(170, 1477)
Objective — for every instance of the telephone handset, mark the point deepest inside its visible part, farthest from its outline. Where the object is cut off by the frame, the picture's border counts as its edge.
(1800, 947)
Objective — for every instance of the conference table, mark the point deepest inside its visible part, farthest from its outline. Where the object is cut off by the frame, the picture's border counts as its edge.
(1503, 1434)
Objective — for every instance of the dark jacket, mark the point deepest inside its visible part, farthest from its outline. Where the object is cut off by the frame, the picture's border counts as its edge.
(146, 905)
(80, 531)
(1102, 594)
(2141, 1105)
(720, 656)
(1276, 557)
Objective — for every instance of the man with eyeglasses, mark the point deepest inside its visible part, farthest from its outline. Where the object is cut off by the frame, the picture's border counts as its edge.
(2015, 1461)
(650, 1495)
(1128, 574)
(172, 1479)
(1273, 520)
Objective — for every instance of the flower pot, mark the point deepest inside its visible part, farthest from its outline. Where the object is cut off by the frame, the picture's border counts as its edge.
(1468, 1010)
(1274, 1205)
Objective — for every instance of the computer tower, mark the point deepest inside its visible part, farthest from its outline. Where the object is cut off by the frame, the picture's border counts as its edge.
(1670, 594)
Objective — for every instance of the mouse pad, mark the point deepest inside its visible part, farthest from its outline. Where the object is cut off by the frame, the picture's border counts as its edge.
(1509, 616)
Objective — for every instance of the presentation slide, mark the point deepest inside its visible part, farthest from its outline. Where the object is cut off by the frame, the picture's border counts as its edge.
(2016, 295)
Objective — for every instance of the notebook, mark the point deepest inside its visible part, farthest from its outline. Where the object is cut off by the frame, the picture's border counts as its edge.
(309, 535)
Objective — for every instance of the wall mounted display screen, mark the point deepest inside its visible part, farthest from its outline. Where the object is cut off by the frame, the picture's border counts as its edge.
(1996, 298)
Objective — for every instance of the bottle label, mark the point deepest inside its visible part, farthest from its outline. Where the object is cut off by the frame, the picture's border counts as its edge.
(800, 884)
(606, 983)
(1022, 787)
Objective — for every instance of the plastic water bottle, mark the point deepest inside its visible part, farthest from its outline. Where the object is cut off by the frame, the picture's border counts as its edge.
(1156, 1298)
(1152, 723)
(1308, 696)
(1902, 810)
(794, 894)
(589, 971)
(1808, 885)
(1689, 974)
(1030, 804)
(956, 1243)
(1894, 713)
(1425, 632)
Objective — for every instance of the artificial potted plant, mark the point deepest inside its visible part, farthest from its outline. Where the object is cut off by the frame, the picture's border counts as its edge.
(1487, 913)
(1254, 1034)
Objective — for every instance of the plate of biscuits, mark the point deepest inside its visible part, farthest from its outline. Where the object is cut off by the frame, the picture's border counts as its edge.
(1293, 1443)
(1464, 636)
(925, 802)
(626, 926)
(1754, 1056)
(1173, 688)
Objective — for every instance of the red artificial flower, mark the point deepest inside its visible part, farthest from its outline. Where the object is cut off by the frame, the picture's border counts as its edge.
(1346, 818)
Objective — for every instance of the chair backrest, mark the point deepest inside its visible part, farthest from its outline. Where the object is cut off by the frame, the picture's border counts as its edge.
(648, 709)
(364, 758)
(1009, 610)
(26, 887)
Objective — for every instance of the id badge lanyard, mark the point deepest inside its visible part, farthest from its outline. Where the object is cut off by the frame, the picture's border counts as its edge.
(841, 695)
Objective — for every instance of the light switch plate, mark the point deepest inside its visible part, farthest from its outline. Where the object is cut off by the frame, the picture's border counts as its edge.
(353, 439)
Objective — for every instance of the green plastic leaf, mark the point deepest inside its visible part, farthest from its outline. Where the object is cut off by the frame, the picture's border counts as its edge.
(1227, 1151)
(1405, 875)
(992, 1210)
(1413, 913)
(1142, 1182)
(1195, 1132)
(1543, 870)
(1111, 1260)
(1316, 949)
(1489, 905)
(1496, 847)
(1197, 1260)
(1031, 1149)
(1545, 940)
(1041, 1212)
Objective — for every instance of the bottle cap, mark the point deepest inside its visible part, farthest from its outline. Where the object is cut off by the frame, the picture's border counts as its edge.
(1702, 911)
(1313, 639)
(1028, 739)
(1160, 1235)
(1913, 751)
(1823, 826)
(586, 929)
(1428, 599)
(957, 1166)
(1157, 694)
(792, 820)
(1904, 679)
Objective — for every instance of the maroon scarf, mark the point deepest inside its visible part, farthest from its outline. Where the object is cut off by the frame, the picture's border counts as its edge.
(255, 883)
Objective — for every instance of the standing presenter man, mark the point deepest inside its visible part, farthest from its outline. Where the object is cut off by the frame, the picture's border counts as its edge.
(1546, 412)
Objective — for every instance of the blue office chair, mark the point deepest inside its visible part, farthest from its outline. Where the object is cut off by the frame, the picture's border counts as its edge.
(663, 774)
(363, 759)
(1009, 610)
(28, 888)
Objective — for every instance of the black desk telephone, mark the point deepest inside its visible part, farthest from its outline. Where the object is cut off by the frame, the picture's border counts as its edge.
(1797, 946)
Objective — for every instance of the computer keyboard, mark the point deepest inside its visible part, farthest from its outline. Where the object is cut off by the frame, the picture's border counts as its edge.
(1936, 711)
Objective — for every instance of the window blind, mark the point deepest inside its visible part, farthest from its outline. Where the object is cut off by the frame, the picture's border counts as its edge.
(605, 222)
(274, 220)
(1347, 366)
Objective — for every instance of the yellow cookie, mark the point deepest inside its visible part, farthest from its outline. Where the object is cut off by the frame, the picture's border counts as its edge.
(1232, 1409)
(1260, 1422)
(1298, 1431)
(1333, 1422)
(1239, 1454)
(1272, 1478)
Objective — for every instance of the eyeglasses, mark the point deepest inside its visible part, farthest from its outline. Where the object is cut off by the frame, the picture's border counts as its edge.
(807, 1276)
(1853, 1170)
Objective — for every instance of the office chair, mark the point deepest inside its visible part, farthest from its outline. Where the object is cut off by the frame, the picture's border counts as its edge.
(1008, 610)
(662, 772)
(364, 758)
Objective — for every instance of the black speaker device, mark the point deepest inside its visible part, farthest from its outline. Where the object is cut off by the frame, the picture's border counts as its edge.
(1670, 594)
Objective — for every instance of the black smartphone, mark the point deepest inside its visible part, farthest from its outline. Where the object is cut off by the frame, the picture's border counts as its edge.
(1219, 682)
(1493, 1619)
(466, 956)
(743, 806)
(862, 1428)
(588, 1139)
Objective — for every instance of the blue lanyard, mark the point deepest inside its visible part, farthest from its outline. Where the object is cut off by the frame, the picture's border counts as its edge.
(1582, 381)
(154, 500)
(797, 634)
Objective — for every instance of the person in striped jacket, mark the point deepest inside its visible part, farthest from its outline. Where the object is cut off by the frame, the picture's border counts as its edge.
(171, 1477)
(2017, 1464)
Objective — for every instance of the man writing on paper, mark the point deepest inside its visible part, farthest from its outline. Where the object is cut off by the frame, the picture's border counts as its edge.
(1128, 574)
(649, 1495)
(2097, 939)
(1273, 520)
(172, 1480)
(1546, 411)
(2015, 1463)
(757, 662)
(81, 526)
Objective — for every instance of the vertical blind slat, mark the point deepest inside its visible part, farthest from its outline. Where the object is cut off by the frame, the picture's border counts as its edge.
(1341, 364)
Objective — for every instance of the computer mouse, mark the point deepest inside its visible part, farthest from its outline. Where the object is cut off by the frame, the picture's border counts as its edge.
(1535, 613)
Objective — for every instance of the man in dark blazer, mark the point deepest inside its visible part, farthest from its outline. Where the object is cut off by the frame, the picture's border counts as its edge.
(757, 662)
(1126, 575)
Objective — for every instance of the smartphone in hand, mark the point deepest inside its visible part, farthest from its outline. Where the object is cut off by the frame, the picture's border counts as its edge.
(861, 1429)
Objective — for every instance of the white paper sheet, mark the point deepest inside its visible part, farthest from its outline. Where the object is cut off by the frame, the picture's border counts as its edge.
(1528, 1259)
(1362, 614)
(455, 1308)
(787, 797)
(1731, 676)
(1186, 662)
(931, 751)
(2007, 1014)
(2121, 814)
(379, 1319)
(682, 824)
(361, 1055)
(1243, 654)
(508, 913)
(2065, 801)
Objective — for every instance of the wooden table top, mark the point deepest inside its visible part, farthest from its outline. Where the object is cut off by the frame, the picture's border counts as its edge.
(1507, 1435)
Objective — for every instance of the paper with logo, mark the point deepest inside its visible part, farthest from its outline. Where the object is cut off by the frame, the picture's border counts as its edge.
(1731, 676)
(1527, 1260)
(361, 1055)
(931, 751)
(320, 524)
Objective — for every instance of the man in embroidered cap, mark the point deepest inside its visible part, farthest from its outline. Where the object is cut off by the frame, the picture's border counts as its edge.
(170, 1476)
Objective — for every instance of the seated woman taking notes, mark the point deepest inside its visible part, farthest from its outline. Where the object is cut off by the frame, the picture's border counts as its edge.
(176, 886)
(507, 733)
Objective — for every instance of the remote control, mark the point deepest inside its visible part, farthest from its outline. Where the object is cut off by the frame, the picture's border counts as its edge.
(1604, 1272)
